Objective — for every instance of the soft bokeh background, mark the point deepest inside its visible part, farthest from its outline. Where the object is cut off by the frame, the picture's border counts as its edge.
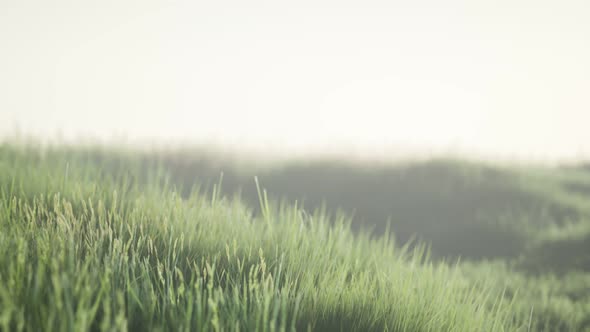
(497, 79)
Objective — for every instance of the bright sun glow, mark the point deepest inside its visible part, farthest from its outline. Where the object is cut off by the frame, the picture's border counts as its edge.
(493, 79)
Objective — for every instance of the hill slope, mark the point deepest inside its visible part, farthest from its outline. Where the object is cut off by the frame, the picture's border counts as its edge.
(461, 209)
(84, 249)
(101, 239)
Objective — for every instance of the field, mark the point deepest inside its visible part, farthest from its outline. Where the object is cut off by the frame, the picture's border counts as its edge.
(107, 238)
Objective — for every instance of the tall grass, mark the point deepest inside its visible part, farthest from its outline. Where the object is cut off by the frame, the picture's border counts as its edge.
(84, 249)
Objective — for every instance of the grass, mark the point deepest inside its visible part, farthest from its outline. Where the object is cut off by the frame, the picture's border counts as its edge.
(461, 209)
(104, 240)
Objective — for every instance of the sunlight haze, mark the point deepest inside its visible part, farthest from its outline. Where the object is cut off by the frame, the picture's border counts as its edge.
(494, 78)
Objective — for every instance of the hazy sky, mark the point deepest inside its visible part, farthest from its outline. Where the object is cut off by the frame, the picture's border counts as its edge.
(505, 78)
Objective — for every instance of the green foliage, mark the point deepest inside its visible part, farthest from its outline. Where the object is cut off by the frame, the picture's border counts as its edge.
(549, 301)
(100, 239)
(85, 250)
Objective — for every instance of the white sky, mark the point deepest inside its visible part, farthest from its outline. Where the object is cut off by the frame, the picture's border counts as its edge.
(496, 78)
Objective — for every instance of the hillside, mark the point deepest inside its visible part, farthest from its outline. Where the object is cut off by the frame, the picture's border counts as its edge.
(99, 239)
(538, 217)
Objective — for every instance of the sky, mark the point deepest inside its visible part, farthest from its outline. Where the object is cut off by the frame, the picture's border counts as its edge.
(507, 79)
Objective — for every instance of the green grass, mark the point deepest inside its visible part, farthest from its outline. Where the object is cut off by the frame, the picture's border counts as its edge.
(102, 240)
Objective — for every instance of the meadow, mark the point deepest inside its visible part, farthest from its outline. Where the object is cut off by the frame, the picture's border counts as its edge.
(97, 238)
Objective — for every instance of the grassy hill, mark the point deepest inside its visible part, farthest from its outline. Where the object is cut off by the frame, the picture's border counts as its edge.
(105, 239)
(538, 217)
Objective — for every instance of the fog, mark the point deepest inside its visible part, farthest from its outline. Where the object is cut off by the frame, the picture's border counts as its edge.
(499, 79)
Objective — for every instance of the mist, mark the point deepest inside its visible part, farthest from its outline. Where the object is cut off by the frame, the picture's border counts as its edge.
(493, 80)
(294, 166)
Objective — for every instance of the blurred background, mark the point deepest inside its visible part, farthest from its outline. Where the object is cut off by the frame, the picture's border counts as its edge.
(380, 79)
(462, 125)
